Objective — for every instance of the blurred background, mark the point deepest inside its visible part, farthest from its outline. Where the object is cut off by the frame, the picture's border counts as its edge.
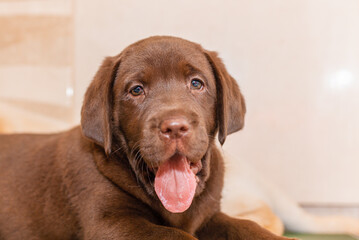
(297, 62)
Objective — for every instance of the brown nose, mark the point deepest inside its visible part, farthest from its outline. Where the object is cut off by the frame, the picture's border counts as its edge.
(174, 128)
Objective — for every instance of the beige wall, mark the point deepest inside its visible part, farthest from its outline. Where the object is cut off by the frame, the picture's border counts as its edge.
(296, 61)
(36, 65)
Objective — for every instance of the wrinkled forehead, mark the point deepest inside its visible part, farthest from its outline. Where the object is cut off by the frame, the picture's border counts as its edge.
(165, 59)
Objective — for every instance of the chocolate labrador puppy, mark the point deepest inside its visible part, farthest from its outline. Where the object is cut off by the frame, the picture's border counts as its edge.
(143, 164)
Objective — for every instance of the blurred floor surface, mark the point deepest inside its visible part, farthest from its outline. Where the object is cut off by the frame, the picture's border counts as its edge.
(320, 236)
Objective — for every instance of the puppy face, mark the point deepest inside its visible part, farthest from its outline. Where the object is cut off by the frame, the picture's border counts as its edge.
(164, 100)
(165, 97)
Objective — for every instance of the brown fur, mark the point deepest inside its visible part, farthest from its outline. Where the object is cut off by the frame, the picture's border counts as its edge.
(96, 181)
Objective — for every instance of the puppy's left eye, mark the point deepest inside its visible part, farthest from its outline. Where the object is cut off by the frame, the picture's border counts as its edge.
(196, 84)
(136, 91)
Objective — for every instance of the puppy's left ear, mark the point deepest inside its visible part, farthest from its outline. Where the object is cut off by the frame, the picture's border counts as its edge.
(96, 112)
(231, 108)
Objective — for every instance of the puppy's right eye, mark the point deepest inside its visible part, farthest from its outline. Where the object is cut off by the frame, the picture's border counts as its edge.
(136, 91)
(196, 84)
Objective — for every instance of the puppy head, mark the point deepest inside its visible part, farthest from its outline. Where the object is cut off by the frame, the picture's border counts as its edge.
(161, 102)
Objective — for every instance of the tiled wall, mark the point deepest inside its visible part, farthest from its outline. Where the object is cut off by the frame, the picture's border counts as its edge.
(36, 64)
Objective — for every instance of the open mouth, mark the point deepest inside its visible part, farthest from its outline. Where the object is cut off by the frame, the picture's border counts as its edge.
(194, 167)
(176, 180)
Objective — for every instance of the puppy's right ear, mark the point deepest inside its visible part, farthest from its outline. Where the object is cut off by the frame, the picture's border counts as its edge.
(97, 107)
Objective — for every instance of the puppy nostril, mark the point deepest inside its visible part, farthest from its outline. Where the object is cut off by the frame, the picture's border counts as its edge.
(184, 129)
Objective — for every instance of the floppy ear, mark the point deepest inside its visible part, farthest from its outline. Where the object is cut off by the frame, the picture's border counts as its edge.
(231, 106)
(97, 107)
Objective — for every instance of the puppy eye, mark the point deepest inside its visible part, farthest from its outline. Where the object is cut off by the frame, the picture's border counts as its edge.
(136, 91)
(196, 84)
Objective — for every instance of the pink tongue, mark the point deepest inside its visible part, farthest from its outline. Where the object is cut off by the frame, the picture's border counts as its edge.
(175, 184)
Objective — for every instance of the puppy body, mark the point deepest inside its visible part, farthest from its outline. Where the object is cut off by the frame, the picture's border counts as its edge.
(36, 178)
(161, 99)
(62, 193)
